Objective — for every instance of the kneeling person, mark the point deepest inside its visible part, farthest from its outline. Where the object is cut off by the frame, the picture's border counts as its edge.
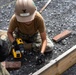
(28, 24)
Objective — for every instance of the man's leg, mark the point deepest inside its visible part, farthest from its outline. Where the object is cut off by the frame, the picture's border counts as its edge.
(37, 44)
(3, 71)
(50, 45)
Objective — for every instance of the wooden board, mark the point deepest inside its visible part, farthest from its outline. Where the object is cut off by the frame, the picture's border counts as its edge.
(61, 36)
(45, 6)
(60, 64)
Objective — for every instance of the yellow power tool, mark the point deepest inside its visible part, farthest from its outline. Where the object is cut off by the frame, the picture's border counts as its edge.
(20, 52)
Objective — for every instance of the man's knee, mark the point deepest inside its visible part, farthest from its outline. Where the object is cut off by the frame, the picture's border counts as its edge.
(50, 45)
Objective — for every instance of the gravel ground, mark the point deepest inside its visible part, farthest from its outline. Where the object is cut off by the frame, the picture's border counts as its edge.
(71, 71)
(59, 16)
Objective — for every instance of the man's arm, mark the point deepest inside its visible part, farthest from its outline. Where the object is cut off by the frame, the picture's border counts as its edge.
(44, 42)
(10, 35)
(40, 58)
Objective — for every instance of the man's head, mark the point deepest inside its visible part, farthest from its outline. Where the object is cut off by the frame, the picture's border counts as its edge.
(25, 10)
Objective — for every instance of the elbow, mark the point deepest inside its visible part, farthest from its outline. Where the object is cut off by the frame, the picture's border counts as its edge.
(9, 32)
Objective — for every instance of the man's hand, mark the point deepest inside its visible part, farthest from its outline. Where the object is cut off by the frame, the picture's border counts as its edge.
(19, 47)
(40, 59)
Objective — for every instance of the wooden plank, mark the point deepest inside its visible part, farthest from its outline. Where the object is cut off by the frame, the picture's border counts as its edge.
(45, 6)
(61, 36)
(51, 71)
(67, 62)
(60, 64)
(3, 32)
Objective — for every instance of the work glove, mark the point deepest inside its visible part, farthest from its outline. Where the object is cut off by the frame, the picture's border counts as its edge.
(40, 59)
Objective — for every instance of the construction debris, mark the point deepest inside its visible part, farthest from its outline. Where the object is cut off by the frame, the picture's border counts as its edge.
(45, 6)
(11, 64)
(61, 36)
